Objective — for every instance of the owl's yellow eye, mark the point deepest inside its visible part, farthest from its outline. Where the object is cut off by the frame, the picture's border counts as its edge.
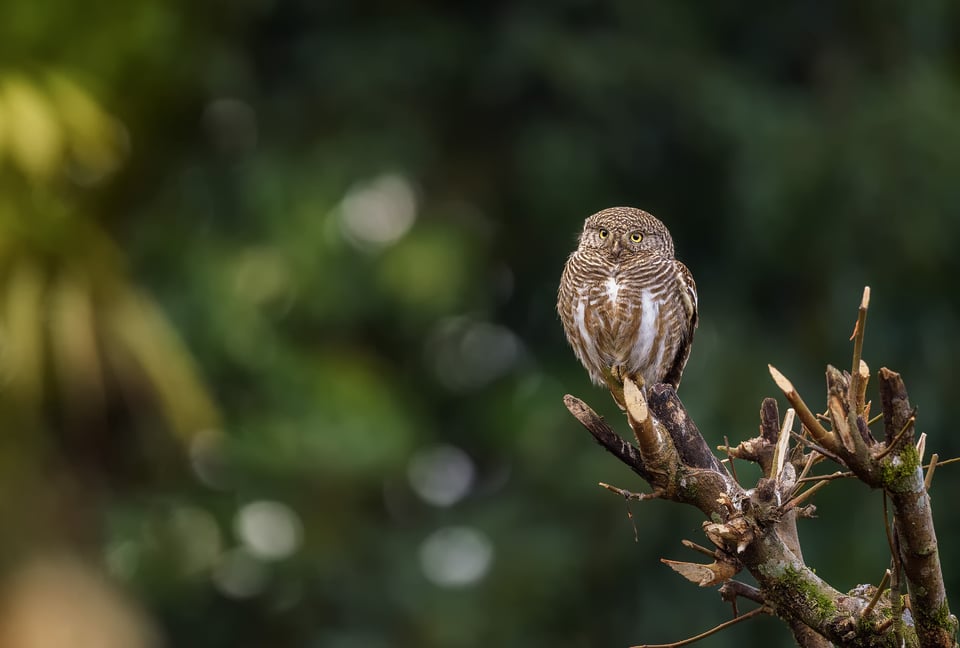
(636, 237)
(603, 233)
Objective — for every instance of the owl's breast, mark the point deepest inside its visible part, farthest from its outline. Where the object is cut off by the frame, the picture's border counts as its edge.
(612, 303)
(613, 295)
(620, 320)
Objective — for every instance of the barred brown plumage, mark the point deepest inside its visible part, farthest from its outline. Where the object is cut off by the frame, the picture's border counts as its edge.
(628, 307)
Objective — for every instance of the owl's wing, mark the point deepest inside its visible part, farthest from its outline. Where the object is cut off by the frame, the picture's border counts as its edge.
(688, 297)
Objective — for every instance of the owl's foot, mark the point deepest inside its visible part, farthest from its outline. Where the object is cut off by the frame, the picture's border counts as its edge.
(614, 377)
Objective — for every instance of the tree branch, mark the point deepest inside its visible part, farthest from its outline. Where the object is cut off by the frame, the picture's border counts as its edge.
(756, 529)
(904, 483)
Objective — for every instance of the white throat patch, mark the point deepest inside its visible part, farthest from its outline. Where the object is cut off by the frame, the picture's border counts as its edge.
(613, 289)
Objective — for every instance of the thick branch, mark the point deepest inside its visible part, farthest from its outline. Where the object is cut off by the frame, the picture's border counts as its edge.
(896, 404)
(693, 450)
(903, 481)
(660, 463)
(799, 595)
(605, 436)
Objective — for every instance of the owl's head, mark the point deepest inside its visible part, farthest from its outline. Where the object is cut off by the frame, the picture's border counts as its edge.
(624, 231)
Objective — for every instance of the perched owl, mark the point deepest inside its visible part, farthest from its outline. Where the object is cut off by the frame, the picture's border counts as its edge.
(627, 306)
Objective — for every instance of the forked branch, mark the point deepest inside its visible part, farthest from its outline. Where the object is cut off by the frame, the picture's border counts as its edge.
(755, 529)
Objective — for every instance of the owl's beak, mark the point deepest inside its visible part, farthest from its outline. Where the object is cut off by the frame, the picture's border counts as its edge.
(615, 249)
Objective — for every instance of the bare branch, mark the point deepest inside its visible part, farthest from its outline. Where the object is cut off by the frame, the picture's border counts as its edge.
(704, 635)
(605, 436)
(876, 595)
(820, 435)
(857, 382)
(933, 466)
(732, 589)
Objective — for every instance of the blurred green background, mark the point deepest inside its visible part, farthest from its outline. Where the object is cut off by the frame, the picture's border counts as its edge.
(279, 362)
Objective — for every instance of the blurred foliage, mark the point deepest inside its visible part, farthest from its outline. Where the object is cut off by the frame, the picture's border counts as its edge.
(85, 354)
(354, 217)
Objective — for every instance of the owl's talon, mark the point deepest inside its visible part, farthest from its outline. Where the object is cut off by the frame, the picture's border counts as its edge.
(618, 398)
(612, 376)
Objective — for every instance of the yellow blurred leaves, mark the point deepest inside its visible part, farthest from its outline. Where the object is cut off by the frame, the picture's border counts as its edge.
(34, 138)
(74, 349)
(21, 335)
(75, 340)
(52, 124)
(141, 331)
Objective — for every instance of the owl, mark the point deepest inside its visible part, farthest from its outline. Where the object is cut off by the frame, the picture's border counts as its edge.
(628, 307)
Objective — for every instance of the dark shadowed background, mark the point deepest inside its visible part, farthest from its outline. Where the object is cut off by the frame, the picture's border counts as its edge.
(279, 357)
